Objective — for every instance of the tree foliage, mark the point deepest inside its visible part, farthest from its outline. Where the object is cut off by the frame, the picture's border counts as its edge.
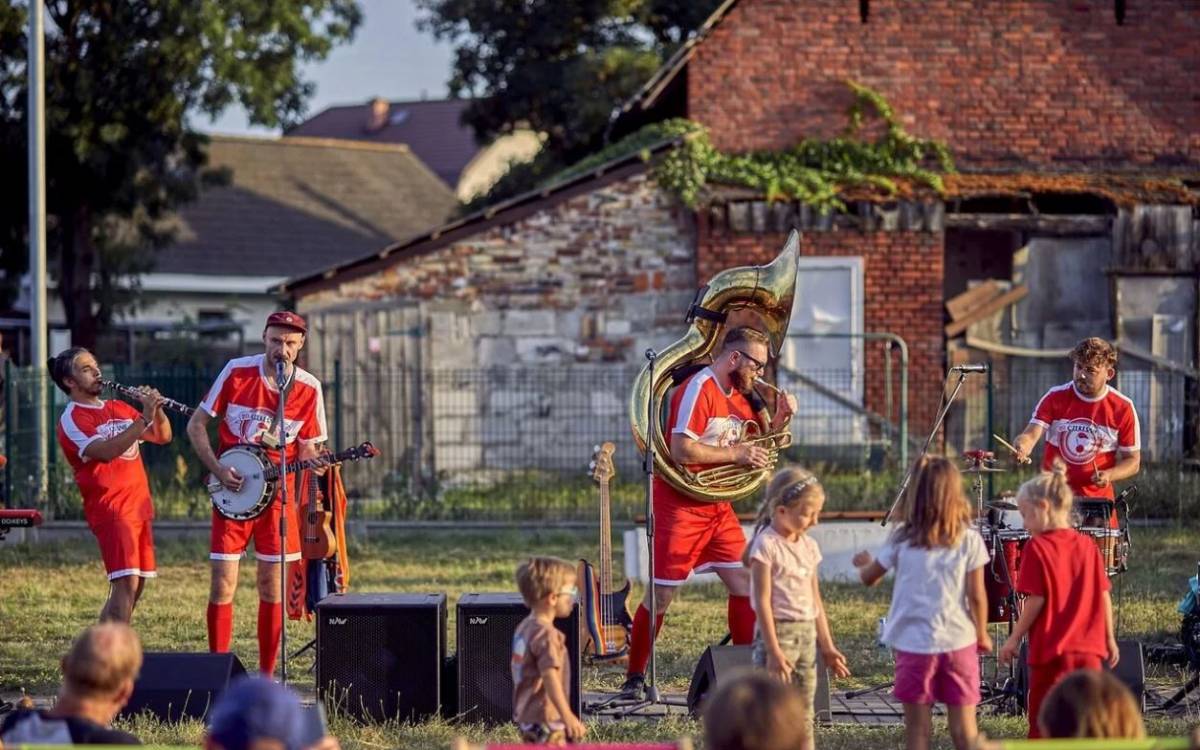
(556, 66)
(123, 80)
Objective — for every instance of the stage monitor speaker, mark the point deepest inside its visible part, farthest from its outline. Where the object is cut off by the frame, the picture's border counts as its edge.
(718, 663)
(379, 656)
(485, 624)
(1131, 670)
(174, 686)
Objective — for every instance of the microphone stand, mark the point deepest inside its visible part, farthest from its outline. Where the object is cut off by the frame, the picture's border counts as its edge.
(281, 381)
(937, 425)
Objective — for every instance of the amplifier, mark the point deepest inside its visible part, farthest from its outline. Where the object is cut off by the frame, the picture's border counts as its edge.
(380, 656)
(484, 625)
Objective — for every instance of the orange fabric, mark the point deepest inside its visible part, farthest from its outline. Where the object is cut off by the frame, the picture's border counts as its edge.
(337, 501)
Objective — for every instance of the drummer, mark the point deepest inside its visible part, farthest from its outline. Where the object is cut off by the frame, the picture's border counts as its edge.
(1088, 424)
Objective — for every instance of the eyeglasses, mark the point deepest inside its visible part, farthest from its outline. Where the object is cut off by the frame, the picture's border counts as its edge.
(758, 366)
(571, 591)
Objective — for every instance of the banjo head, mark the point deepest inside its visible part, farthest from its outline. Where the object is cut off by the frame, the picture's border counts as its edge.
(256, 492)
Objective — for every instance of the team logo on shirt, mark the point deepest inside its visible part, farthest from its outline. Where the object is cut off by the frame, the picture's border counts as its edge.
(722, 432)
(249, 424)
(1081, 440)
(113, 427)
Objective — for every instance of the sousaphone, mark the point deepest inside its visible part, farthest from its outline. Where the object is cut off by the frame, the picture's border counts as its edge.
(764, 294)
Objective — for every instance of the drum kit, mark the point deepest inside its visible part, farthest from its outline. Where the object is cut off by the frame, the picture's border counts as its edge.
(1005, 536)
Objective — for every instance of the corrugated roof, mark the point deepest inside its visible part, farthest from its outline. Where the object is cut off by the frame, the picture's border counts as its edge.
(298, 204)
(432, 129)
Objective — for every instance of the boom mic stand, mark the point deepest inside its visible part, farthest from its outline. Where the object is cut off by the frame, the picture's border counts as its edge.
(281, 382)
(937, 425)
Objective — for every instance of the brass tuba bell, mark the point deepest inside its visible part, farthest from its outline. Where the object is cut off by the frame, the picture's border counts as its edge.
(767, 291)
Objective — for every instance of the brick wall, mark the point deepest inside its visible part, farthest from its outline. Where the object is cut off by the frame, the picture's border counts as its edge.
(903, 295)
(597, 276)
(1005, 83)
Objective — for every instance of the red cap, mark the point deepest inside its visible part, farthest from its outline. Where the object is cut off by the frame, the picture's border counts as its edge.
(287, 319)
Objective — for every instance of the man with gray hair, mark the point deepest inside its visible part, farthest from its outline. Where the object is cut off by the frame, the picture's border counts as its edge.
(98, 676)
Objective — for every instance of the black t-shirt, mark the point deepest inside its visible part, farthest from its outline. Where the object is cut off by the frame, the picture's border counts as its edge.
(82, 731)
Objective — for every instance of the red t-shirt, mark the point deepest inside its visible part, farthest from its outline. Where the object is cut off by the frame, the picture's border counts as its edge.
(704, 412)
(1086, 433)
(116, 490)
(248, 400)
(1065, 567)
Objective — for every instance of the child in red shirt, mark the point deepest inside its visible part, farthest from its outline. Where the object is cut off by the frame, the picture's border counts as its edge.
(1068, 610)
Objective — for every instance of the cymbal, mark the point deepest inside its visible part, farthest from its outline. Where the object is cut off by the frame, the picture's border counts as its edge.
(981, 470)
(1002, 504)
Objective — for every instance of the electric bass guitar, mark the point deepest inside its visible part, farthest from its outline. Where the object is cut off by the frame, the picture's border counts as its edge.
(605, 620)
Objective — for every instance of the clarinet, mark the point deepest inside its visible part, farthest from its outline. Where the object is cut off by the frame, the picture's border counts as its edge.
(132, 393)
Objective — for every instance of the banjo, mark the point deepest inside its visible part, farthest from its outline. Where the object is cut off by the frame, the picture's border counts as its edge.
(260, 476)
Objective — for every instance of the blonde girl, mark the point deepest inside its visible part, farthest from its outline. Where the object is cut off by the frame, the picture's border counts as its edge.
(783, 559)
(1065, 584)
(937, 623)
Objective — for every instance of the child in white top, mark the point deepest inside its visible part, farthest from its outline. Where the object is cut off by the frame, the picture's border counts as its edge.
(937, 623)
(783, 559)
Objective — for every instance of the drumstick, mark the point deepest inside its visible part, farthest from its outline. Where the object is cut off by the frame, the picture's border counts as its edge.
(1006, 444)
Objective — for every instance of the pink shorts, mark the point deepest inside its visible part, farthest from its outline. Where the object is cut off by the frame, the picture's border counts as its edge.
(951, 678)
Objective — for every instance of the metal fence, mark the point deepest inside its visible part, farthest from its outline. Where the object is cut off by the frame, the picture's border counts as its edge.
(515, 443)
(500, 443)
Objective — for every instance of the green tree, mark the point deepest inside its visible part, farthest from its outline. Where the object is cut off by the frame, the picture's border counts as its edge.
(556, 66)
(123, 82)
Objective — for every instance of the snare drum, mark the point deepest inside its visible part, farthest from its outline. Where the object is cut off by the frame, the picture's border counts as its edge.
(1112, 549)
(1005, 547)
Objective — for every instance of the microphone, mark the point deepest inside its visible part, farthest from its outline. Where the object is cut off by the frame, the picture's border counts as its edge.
(280, 377)
(969, 368)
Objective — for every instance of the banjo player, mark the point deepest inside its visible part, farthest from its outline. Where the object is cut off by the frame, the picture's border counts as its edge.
(245, 398)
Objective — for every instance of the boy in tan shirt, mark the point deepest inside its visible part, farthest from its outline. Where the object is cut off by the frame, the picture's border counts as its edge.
(541, 672)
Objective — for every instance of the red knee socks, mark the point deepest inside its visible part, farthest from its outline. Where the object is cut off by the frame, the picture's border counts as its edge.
(741, 619)
(639, 644)
(220, 627)
(269, 630)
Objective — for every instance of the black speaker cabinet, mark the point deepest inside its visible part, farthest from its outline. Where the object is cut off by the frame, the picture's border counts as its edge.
(379, 656)
(718, 663)
(174, 686)
(485, 624)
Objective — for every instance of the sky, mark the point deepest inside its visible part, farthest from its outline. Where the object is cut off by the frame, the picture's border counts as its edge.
(388, 57)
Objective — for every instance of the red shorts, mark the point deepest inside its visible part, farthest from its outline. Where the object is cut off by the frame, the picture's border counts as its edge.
(693, 536)
(951, 678)
(127, 548)
(230, 538)
(1043, 677)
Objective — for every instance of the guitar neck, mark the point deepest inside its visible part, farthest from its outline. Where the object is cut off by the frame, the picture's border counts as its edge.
(310, 463)
(606, 580)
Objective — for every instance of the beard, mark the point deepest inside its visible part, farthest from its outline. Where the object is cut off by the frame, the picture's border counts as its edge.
(742, 380)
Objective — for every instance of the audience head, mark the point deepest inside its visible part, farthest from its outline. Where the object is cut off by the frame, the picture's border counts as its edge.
(102, 665)
(1046, 498)
(255, 713)
(755, 711)
(935, 511)
(1091, 703)
(541, 577)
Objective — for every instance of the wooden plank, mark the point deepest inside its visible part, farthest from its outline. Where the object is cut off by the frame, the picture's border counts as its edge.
(999, 303)
(961, 304)
(1066, 224)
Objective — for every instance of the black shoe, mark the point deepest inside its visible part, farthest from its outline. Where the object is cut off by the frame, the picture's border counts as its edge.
(634, 686)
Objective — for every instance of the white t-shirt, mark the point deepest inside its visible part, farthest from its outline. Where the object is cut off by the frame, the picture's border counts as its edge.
(929, 613)
(793, 567)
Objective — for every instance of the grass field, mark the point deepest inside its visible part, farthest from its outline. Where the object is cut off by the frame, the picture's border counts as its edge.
(49, 592)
